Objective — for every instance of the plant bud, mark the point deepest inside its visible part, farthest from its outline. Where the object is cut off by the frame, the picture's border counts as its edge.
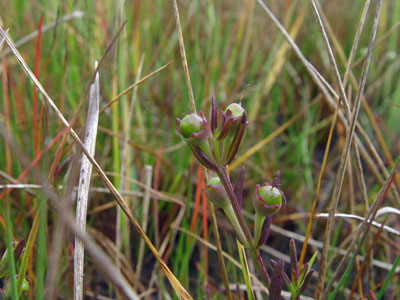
(216, 193)
(236, 109)
(231, 118)
(231, 131)
(267, 200)
(193, 127)
(195, 130)
(190, 124)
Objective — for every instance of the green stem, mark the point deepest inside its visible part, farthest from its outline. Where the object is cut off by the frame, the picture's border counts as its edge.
(235, 205)
(227, 145)
(229, 212)
(258, 223)
(240, 220)
(217, 151)
(11, 262)
(205, 147)
(245, 271)
(219, 247)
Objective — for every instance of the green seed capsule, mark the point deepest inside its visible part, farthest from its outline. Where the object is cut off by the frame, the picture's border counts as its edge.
(190, 124)
(236, 109)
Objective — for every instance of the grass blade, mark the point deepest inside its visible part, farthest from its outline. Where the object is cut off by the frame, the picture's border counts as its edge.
(27, 252)
(245, 270)
(36, 136)
(148, 170)
(388, 277)
(11, 261)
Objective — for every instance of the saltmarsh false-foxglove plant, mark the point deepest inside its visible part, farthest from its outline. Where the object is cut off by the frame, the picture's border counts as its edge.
(215, 145)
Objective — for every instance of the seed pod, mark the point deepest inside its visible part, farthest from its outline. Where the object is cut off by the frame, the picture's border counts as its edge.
(193, 127)
(216, 193)
(195, 130)
(267, 200)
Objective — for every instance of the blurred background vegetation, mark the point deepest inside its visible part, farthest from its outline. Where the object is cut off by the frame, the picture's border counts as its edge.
(233, 51)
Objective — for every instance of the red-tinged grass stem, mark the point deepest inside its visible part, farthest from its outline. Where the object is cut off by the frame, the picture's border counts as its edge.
(196, 200)
(34, 100)
(155, 197)
(205, 233)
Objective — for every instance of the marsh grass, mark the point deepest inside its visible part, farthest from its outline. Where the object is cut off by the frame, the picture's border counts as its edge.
(291, 61)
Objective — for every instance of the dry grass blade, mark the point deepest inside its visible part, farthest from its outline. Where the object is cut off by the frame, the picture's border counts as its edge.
(343, 160)
(332, 59)
(77, 111)
(179, 289)
(27, 187)
(245, 270)
(85, 173)
(359, 169)
(387, 210)
(137, 83)
(20, 186)
(3, 39)
(356, 217)
(148, 170)
(128, 122)
(356, 40)
(183, 55)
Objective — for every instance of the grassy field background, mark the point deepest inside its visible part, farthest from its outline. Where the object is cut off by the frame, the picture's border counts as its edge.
(234, 51)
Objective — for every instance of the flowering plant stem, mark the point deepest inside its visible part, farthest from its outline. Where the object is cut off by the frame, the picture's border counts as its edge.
(222, 173)
(230, 213)
(244, 229)
(256, 256)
